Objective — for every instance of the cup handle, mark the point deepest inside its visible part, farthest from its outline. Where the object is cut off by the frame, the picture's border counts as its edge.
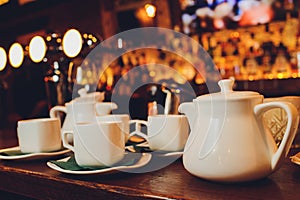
(65, 140)
(55, 110)
(137, 131)
(290, 131)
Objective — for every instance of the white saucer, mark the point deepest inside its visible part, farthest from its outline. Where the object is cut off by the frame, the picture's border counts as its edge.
(170, 154)
(296, 158)
(31, 155)
(144, 159)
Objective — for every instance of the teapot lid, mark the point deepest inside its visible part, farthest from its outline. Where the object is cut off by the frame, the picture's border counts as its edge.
(89, 97)
(228, 93)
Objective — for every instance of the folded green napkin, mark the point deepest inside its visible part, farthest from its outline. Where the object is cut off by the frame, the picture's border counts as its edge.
(71, 164)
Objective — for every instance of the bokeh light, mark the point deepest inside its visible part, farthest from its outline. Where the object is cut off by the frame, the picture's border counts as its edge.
(16, 55)
(72, 43)
(37, 49)
(3, 59)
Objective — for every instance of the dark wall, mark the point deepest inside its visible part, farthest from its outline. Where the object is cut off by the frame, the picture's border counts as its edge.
(54, 15)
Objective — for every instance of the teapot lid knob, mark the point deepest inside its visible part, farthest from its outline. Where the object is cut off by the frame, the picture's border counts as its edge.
(226, 85)
(82, 92)
(92, 97)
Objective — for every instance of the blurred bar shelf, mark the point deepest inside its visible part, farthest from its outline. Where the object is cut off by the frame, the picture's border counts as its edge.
(271, 87)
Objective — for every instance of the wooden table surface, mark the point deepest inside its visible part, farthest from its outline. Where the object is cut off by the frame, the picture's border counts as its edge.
(32, 178)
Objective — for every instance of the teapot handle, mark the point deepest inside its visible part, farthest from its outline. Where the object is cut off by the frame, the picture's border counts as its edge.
(290, 131)
(54, 111)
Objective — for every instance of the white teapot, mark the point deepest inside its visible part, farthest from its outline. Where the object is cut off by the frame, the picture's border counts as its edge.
(228, 141)
(82, 109)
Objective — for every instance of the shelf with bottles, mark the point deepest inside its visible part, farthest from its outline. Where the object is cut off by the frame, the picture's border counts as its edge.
(152, 66)
(282, 65)
(259, 52)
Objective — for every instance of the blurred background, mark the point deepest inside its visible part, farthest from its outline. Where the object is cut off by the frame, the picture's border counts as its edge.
(256, 42)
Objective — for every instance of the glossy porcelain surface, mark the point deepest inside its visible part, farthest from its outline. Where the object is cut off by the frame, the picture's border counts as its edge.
(39, 135)
(96, 144)
(165, 132)
(228, 141)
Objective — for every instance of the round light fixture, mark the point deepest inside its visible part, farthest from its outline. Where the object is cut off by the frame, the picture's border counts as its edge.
(16, 55)
(3, 59)
(72, 43)
(37, 49)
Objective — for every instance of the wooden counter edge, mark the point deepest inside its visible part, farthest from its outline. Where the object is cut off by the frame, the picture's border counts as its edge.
(40, 185)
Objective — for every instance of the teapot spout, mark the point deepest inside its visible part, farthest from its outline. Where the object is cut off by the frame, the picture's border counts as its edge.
(188, 109)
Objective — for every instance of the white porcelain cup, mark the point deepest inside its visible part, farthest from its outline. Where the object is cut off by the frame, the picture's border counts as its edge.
(123, 118)
(276, 119)
(164, 132)
(39, 135)
(96, 144)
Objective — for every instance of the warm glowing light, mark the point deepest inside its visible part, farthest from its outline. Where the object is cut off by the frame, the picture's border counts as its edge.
(235, 34)
(3, 59)
(280, 76)
(294, 75)
(72, 43)
(150, 10)
(219, 23)
(152, 73)
(89, 73)
(37, 49)
(3, 2)
(270, 76)
(94, 39)
(110, 77)
(16, 55)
